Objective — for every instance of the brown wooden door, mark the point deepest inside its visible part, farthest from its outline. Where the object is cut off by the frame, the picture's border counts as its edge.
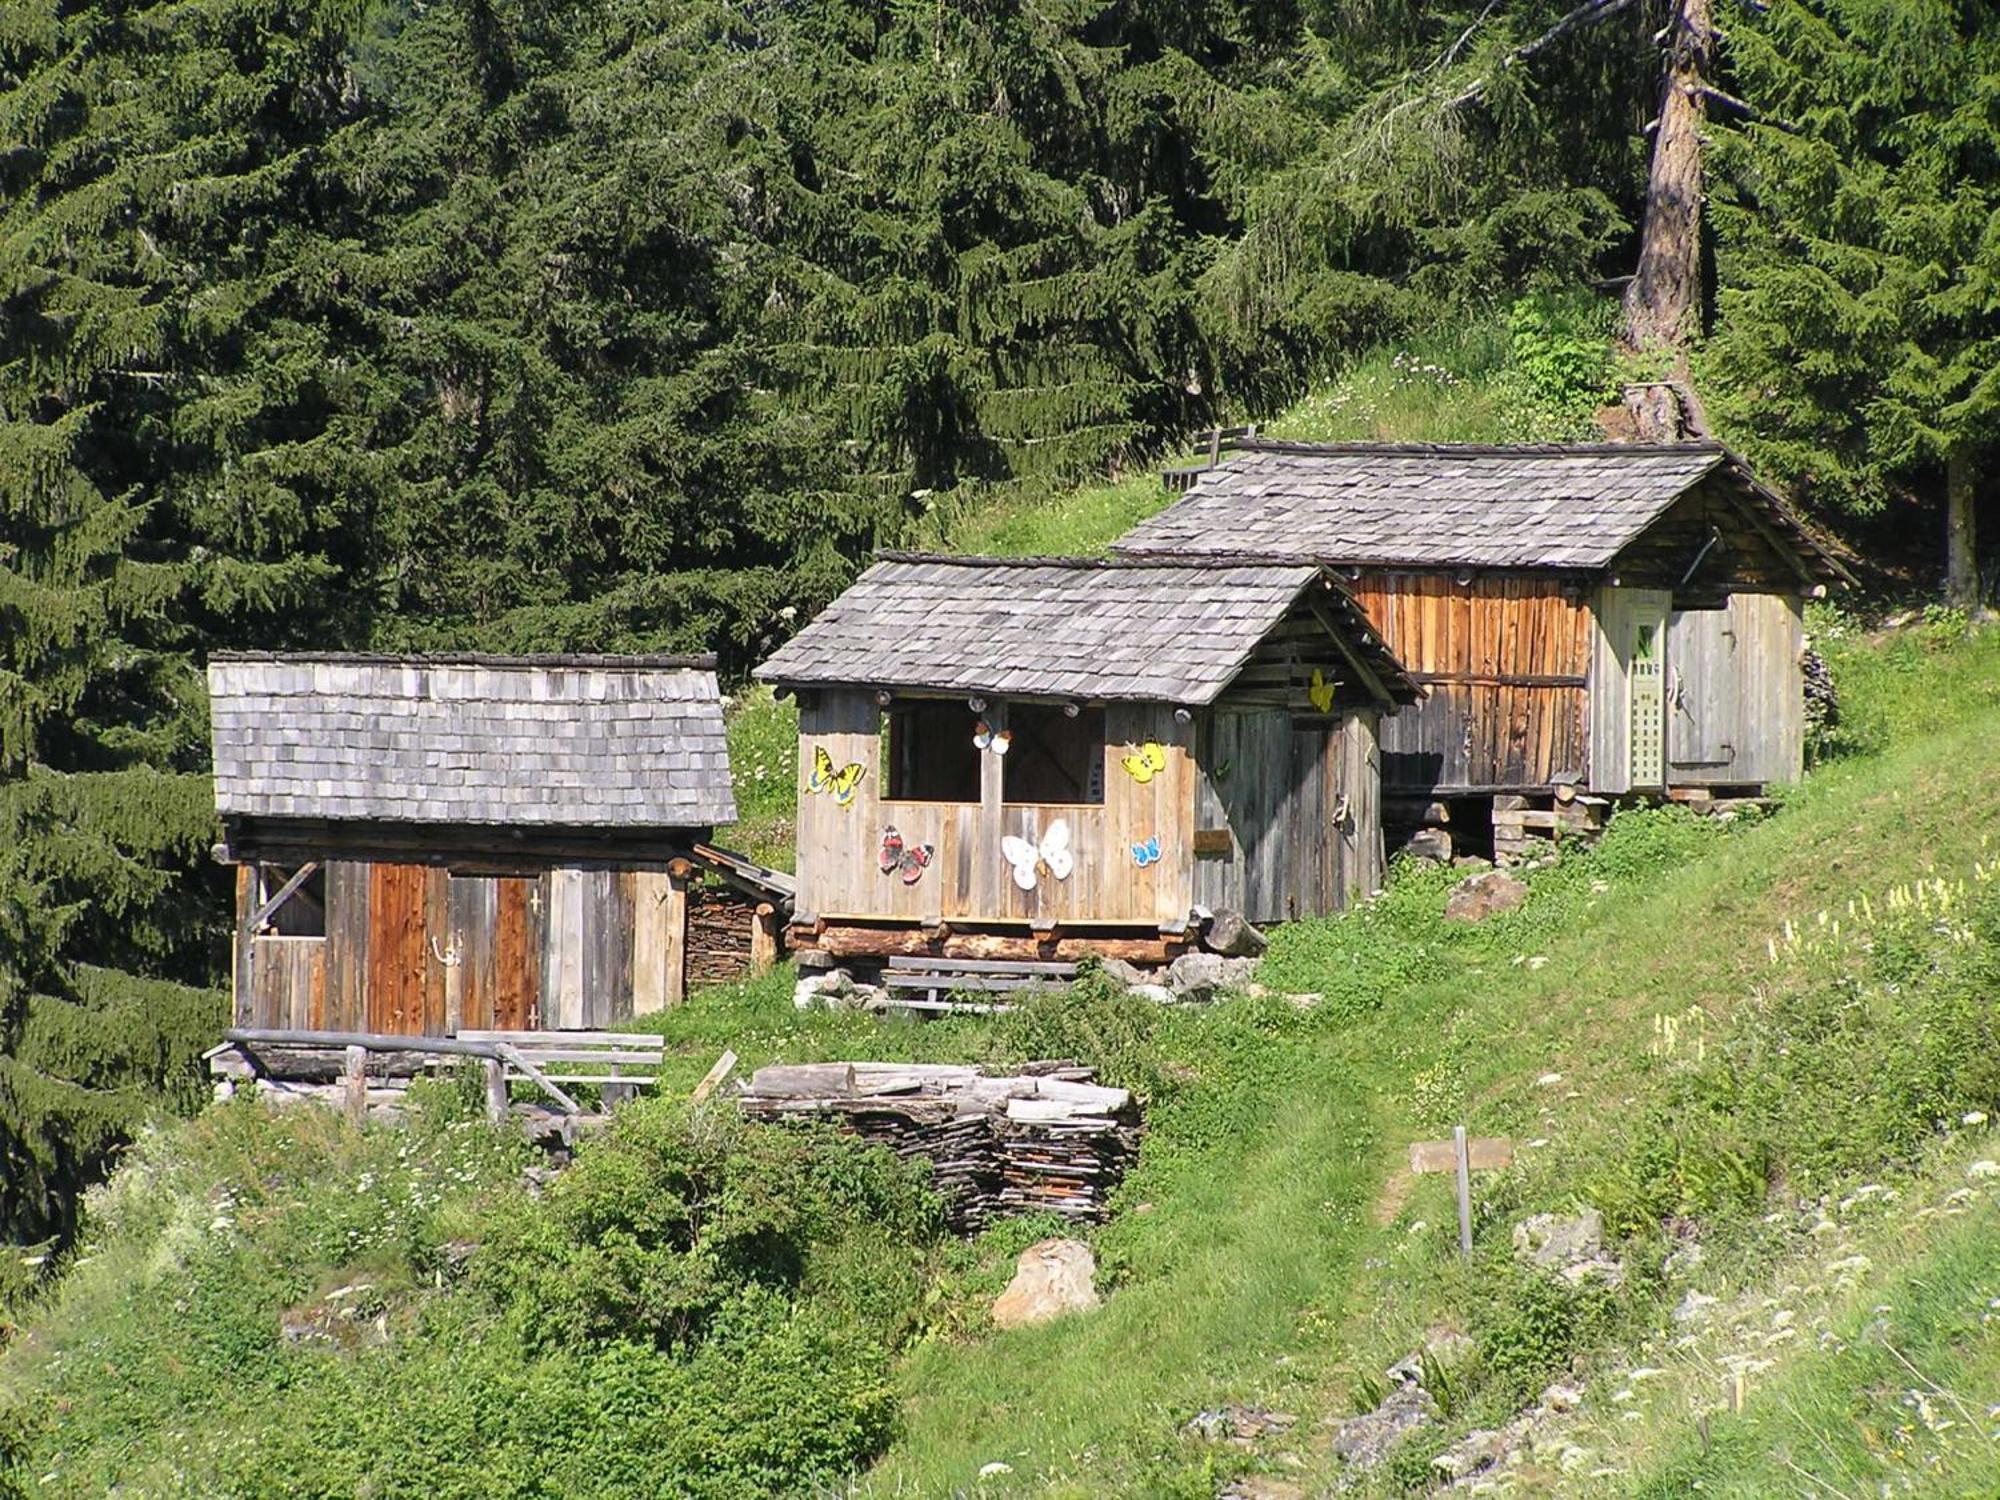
(398, 953)
(496, 952)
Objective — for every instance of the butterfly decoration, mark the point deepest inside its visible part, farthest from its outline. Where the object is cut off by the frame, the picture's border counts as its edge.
(1320, 691)
(986, 737)
(1148, 763)
(1031, 859)
(1147, 853)
(839, 783)
(911, 860)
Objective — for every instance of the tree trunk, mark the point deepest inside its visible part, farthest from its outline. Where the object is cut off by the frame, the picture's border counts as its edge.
(1961, 549)
(1664, 299)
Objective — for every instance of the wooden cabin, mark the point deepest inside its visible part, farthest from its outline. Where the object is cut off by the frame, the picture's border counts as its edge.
(1591, 618)
(430, 844)
(1046, 757)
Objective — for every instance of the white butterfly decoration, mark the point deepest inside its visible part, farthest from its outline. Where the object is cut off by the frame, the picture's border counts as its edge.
(1029, 860)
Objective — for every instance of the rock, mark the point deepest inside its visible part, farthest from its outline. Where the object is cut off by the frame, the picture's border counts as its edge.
(1159, 994)
(1052, 1277)
(1571, 1247)
(1478, 897)
(1553, 1241)
(1238, 1424)
(1198, 976)
(1445, 1347)
(1233, 937)
(1128, 974)
(1475, 1453)
(1363, 1442)
(828, 988)
(1433, 844)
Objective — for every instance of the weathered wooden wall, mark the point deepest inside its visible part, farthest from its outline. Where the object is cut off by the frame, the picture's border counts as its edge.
(1505, 658)
(1736, 692)
(1244, 812)
(420, 950)
(1288, 812)
(968, 879)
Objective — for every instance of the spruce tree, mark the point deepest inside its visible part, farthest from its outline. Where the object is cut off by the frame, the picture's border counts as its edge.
(1857, 353)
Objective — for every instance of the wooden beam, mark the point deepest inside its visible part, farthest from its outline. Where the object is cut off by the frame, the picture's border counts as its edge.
(300, 876)
(1369, 680)
(854, 941)
(763, 938)
(712, 1079)
(676, 918)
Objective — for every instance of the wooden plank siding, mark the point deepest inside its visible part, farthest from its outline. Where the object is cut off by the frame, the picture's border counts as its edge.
(288, 982)
(1506, 659)
(968, 879)
(1736, 692)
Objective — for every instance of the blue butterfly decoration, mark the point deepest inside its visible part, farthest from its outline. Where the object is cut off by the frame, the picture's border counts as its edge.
(1147, 853)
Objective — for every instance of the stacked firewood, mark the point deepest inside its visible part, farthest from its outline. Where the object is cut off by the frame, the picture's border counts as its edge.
(718, 933)
(1047, 1139)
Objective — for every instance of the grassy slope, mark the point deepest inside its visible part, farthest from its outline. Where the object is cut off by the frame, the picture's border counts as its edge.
(1260, 1274)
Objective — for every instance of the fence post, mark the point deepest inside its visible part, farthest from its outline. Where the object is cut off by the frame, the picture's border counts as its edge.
(1464, 1164)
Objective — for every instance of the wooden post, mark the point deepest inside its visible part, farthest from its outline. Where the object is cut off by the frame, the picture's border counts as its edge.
(713, 1078)
(763, 938)
(496, 1090)
(1464, 1169)
(354, 1078)
(248, 893)
(676, 915)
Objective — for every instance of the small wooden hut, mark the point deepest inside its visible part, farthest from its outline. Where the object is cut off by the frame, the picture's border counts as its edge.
(1041, 758)
(430, 844)
(1604, 618)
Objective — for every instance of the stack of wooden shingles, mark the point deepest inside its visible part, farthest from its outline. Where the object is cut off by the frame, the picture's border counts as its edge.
(1046, 1139)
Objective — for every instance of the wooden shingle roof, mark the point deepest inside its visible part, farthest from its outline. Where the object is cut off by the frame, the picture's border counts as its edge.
(528, 741)
(1167, 630)
(1573, 506)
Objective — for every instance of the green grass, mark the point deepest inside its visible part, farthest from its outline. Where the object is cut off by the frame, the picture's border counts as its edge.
(1260, 1272)
(1531, 373)
(763, 764)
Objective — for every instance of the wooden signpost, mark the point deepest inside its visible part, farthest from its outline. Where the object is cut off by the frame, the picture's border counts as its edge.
(1462, 1155)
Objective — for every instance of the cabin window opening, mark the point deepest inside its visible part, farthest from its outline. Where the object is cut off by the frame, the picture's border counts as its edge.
(1053, 757)
(300, 914)
(929, 753)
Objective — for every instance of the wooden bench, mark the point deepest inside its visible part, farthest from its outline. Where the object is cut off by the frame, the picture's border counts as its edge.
(922, 982)
(622, 1062)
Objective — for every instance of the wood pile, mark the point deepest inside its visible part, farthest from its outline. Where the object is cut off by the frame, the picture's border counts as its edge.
(719, 919)
(1048, 1139)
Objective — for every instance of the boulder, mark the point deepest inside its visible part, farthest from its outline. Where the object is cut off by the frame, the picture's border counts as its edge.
(1233, 937)
(1572, 1247)
(1553, 1241)
(829, 988)
(1197, 976)
(1478, 897)
(1363, 1442)
(1127, 974)
(1052, 1277)
(1159, 994)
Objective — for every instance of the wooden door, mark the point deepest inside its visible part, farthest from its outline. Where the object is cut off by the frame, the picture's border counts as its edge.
(1703, 703)
(495, 957)
(398, 953)
(1628, 691)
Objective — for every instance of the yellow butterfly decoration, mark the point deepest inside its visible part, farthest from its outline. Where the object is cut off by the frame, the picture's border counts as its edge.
(1148, 763)
(1320, 691)
(825, 778)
